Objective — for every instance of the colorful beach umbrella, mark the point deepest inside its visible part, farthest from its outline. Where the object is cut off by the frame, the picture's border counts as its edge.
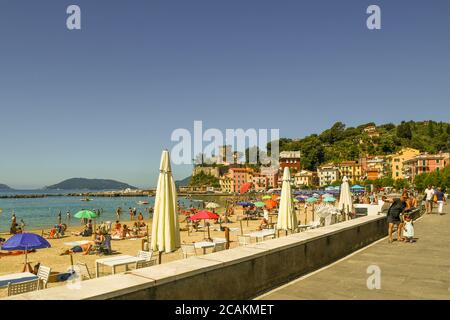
(212, 205)
(266, 197)
(165, 226)
(205, 215)
(245, 187)
(85, 214)
(311, 200)
(329, 199)
(25, 242)
(287, 219)
(245, 203)
(259, 204)
(270, 204)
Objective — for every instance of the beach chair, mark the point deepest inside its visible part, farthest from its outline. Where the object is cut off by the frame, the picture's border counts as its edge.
(23, 287)
(188, 250)
(147, 256)
(83, 270)
(244, 240)
(43, 275)
(219, 246)
(105, 247)
(145, 264)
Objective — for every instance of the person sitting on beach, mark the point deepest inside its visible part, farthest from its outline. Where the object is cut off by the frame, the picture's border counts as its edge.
(117, 229)
(126, 232)
(141, 222)
(87, 232)
(264, 224)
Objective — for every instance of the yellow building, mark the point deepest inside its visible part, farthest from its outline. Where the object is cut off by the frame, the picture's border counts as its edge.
(396, 161)
(350, 169)
(226, 184)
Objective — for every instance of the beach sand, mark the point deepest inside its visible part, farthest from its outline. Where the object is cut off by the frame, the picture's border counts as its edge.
(51, 257)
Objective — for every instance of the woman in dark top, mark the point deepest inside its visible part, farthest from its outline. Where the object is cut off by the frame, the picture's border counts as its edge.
(394, 216)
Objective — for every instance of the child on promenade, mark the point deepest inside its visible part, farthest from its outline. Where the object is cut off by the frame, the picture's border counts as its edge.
(408, 228)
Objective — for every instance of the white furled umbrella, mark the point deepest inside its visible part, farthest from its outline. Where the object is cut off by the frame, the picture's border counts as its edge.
(345, 198)
(287, 219)
(165, 226)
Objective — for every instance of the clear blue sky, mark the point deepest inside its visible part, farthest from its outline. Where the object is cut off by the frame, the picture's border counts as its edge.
(102, 102)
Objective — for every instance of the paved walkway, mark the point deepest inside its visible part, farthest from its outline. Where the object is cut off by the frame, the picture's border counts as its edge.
(418, 270)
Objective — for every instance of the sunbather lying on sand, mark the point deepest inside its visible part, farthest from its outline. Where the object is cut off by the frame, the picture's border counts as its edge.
(85, 248)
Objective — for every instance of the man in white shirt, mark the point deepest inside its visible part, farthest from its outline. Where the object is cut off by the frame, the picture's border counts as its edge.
(429, 193)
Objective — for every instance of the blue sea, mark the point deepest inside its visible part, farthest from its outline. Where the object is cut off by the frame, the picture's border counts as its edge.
(40, 213)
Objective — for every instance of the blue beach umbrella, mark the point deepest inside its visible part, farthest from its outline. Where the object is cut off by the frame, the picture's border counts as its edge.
(25, 241)
(329, 199)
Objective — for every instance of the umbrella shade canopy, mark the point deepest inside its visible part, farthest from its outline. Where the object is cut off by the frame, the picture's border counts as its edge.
(165, 227)
(266, 197)
(86, 214)
(357, 187)
(287, 219)
(301, 198)
(203, 215)
(25, 241)
(329, 199)
(311, 200)
(245, 203)
(212, 205)
(345, 198)
(259, 204)
(245, 187)
(270, 204)
(296, 200)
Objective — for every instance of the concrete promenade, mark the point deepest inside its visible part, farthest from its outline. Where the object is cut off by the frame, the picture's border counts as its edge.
(419, 270)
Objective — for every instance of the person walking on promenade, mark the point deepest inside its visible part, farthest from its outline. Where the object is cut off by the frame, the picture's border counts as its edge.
(440, 198)
(398, 206)
(429, 193)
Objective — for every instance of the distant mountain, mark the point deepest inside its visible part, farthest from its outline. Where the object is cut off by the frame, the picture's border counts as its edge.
(89, 184)
(4, 187)
(183, 183)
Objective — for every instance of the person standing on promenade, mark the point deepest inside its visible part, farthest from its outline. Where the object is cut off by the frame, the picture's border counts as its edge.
(440, 197)
(429, 193)
(395, 211)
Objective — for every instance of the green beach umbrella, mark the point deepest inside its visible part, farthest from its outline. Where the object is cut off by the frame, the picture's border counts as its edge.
(296, 200)
(86, 214)
(259, 204)
(311, 200)
(266, 197)
(329, 199)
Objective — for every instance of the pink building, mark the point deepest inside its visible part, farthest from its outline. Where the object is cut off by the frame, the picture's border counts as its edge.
(272, 176)
(424, 163)
(260, 182)
(240, 176)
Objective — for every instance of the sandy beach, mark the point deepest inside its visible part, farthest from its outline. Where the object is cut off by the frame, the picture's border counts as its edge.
(51, 257)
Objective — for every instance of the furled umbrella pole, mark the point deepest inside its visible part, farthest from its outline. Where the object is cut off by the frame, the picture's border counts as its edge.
(165, 226)
(287, 219)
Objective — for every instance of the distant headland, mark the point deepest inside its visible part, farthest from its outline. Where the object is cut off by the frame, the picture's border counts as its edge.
(4, 187)
(89, 184)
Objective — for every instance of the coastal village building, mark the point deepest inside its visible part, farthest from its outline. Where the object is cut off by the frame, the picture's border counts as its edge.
(327, 174)
(259, 182)
(371, 131)
(272, 175)
(425, 163)
(290, 159)
(239, 177)
(350, 169)
(396, 162)
(373, 167)
(305, 178)
(226, 183)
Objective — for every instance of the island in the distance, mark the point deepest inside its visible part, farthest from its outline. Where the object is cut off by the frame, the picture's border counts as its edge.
(4, 187)
(89, 184)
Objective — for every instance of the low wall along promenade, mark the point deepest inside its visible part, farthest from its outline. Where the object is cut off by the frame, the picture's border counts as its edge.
(239, 273)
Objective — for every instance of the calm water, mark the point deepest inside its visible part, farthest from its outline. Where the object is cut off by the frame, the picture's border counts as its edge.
(43, 212)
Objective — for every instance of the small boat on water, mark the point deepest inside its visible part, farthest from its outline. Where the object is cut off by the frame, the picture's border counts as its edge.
(87, 199)
(142, 202)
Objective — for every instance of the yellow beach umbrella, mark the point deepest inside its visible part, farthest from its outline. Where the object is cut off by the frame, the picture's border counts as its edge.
(287, 219)
(165, 226)
(345, 198)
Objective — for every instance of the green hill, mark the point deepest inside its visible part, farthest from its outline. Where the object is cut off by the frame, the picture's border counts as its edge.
(350, 143)
(89, 184)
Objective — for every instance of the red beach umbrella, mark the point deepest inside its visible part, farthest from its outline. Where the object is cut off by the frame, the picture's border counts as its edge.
(245, 187)
(205, 215)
